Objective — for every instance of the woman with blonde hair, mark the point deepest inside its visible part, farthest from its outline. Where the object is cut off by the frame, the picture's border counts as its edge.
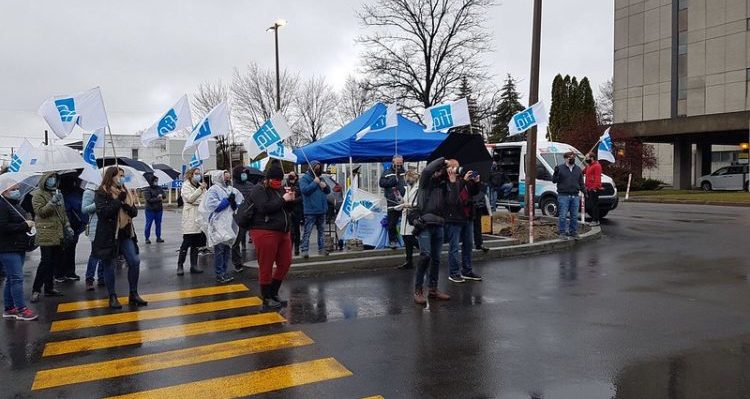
(115, 235)
(407, 229)
(193, 191)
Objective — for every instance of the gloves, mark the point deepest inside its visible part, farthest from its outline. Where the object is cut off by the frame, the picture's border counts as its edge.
(57, 198)
(232, 201)
(123, 196)
(69, 231)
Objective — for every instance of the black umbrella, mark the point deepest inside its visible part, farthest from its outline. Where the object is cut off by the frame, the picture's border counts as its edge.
(255, 172)
(173, 174)
(133, 163)
(469, 150)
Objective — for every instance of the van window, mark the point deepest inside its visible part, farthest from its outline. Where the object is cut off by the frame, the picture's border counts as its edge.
(556, 158)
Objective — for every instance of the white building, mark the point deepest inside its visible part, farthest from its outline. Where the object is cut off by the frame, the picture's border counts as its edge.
(164, 150)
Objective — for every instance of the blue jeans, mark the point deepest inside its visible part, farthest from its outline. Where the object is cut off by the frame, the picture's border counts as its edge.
(128, 250)
(151, 217)
(310, 221)
(12, 262)
(568, 204)
(222, 255)
(430, 246)
(94, 266)
(463, 232)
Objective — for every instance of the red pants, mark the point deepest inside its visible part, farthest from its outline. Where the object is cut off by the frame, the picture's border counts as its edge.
(272, 246)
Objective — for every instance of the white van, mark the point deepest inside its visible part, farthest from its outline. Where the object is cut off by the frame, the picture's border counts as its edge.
(512, 160)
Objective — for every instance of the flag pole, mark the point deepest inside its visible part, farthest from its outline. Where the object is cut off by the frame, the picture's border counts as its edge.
(109, 129)
(231, 132)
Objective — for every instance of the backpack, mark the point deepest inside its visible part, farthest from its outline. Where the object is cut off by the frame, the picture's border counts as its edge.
(245, 213)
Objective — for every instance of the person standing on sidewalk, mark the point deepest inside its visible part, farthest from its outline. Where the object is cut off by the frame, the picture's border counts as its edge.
(13, 245)
(298, 212)
(88, 207)
(72, 195)
(221, 199)
(569, 179)
(242, 183)
(315, 203)
(193, 191)
(459, 224)
(479, 201)
(392, 182)
(51, 224)
(270, 230)
(593, 172)
(115, 234)
(407, 229)
(154, 196)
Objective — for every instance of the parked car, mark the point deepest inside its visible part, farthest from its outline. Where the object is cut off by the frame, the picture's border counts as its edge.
(549, 154)
(733, 177)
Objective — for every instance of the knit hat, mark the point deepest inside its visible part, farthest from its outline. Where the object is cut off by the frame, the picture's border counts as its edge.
(274, 170)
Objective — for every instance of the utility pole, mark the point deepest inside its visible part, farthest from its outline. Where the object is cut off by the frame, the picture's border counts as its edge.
(536, 44)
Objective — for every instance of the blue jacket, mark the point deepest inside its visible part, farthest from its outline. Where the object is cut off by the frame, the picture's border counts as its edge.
(314, 199)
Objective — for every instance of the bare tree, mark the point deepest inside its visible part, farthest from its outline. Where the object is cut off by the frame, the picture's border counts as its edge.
(204, 100)
(605, 103)
(417, 51)
(315, 109)
(254, 95)
(354, 99)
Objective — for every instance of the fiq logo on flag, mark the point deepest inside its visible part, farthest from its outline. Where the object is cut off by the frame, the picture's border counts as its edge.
(527, 119)
(20, 156)
(88, 152)
(67, 109)
(168, 123)
(442, 117)
(266, 135)
(176, 118)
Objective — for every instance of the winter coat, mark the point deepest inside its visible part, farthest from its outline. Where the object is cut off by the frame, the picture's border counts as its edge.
(392, 182)
(410, 198)
(243, 187)
(51, 220)
(593, 174)
(569, 181)
(433, 193)
(13, 236)
(298, 212)
(459, 207)
(109, 229)
(314, 198)
(271, 211)
(88, 207)
(76, 218)
(192, 197)
(154, 196)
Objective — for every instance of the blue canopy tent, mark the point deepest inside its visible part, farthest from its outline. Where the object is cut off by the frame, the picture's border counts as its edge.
(379, 146)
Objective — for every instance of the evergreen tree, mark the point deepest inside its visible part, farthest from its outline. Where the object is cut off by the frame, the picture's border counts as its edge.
(465, 91)
(559, 109)
(510, 105)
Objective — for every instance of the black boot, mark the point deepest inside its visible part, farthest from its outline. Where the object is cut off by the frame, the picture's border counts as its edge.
(136, 300)
(114, 303)
(181, 262)
(268, 302)
(274, 292)
(194, 263)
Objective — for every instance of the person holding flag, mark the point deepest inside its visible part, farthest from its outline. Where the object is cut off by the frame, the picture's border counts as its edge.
(315, 203)
(88, 207)
(193, 191)
(392, 182)
(593, 172)
(218, 215)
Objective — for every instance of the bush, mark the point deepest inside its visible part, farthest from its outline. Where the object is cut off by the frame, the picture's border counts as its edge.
(650, 184)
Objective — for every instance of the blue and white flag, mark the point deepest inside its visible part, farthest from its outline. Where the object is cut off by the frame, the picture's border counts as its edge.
(201, 154)
(364, 204)
(387, 119)
(24, 156)
(215, 124)
(273, 131)
(605, 147)
(260, 164)
(527, 119)
(282, 152)
(345, 211)
(444, 116)
(174, 120)
(96, 140)
(85, 109)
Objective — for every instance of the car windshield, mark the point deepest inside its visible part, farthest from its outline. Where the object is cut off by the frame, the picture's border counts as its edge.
(556, 158)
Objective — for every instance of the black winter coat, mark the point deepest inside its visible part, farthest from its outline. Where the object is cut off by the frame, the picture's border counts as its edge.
(271, 211)
(569, 182)
(298, 210)
(433, 192)
(105, 247)
(14, 228)
(393, 182)
(151, 195)
(458, 210)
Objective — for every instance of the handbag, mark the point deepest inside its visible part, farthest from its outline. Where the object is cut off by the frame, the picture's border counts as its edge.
(30, 240)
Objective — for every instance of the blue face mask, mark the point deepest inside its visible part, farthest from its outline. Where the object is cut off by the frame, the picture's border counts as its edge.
(51, 182)
(197, 179)
(121, 181)
(243, 177)
(14, 195)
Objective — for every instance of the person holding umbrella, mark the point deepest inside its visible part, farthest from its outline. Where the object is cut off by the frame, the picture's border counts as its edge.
(154, 196)
(241, 177)
(14, 239)
(193, 191)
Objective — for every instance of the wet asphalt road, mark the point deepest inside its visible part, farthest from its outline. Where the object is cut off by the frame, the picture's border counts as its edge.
(658, 308)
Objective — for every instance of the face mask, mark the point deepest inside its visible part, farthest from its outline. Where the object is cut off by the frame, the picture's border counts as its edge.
(228, 183)
(243, 177)
(155, 183)
(589, 160)
(121, 181)
(197, 179)
(14, 195)
(410, 182)
(51, 182)
(571, 161)
(274, 184)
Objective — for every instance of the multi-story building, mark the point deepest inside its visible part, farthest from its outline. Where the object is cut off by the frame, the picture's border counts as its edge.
(681, 73)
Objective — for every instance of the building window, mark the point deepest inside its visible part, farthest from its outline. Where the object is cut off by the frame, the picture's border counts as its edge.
(134, 153)
(748, 24)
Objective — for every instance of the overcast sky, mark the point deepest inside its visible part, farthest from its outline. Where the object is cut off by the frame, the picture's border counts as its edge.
(145, 54)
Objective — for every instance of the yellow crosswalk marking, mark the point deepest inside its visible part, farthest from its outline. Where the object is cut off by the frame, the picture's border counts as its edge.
(159, 334)
(252, 383)
(151, 314)
(159, 361)
(163, 296)
(374, 397)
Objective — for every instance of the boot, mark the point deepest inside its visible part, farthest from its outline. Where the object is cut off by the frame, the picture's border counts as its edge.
(274, 292)
(269, 304)
(181, 262)
(194, 263)
(419, 298)
(435, 294)
(136, 300)
(114, 303)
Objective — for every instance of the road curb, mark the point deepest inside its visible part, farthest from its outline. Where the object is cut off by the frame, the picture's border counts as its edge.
(389, 262)
(687, 202)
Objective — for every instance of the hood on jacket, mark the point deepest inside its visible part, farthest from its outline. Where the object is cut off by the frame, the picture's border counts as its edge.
(313, 164)
(217, 178)
(43, 181)
(237, 171)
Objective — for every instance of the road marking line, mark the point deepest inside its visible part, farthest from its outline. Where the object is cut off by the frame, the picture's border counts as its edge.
(162, 296)
(151, 314)
(374, 397)
(159, 334)
(252, 383)
(165, 360)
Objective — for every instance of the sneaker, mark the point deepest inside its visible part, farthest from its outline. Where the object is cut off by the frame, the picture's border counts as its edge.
(305, 254)
(11, 313)
(393, 245)
(26, 314)
(323, 253)
(34, 297)
(456, 279)
(435, 294)
(89, 285)
(148, 241)
(471, 276)
(73, 277)
(239, 269)
(406, 266)
(419, 298)
(60, 279)
(271, 304)
(563, 237)
(53, 293)
(100, 283)
(159, 240)
(575, 236)
(482, 248)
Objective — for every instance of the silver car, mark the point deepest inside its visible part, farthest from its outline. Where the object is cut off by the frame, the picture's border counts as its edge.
(733, 177)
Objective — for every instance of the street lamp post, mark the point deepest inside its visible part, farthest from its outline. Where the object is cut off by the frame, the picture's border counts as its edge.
(536, 45)
(276, 25)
